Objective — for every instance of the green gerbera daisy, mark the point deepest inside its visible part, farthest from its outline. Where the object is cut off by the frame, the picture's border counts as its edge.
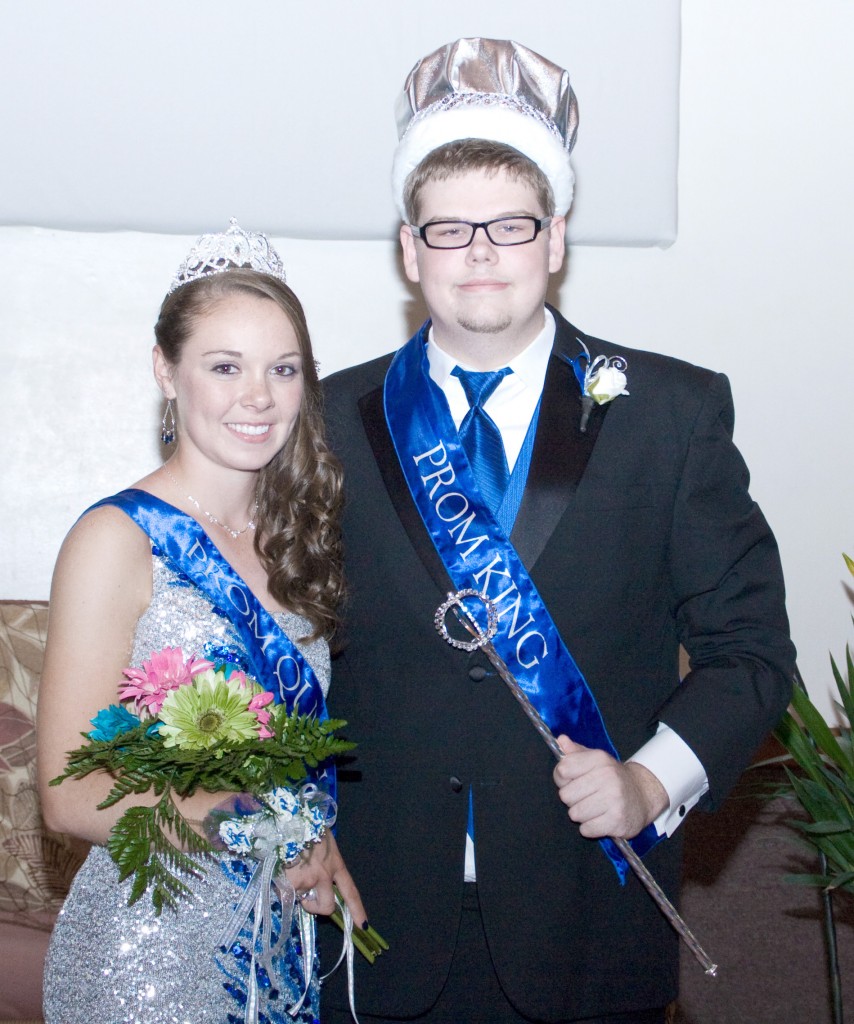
(207, 711)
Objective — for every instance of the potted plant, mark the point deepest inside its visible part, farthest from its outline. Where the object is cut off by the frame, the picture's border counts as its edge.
(823, 782)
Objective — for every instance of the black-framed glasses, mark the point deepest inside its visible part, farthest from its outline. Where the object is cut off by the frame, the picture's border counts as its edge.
(459, 234)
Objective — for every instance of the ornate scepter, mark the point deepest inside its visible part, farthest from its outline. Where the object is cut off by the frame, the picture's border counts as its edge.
(483, 639)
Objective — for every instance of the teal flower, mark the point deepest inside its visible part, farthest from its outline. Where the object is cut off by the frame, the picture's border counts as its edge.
(111, 722)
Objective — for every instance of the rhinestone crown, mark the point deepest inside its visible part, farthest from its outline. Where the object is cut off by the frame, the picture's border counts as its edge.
(226, 250)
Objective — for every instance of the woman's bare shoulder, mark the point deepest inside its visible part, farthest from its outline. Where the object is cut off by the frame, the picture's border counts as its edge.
(106, 532)
(105, 558)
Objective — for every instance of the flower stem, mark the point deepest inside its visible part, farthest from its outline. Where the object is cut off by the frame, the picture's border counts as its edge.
(368, 940)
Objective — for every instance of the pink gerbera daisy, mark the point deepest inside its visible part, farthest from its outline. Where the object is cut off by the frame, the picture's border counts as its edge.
(258, 704)
(165, 671)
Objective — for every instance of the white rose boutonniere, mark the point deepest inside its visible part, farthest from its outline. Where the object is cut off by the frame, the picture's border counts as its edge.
(601, 380)
(604, 379)
(606, 383)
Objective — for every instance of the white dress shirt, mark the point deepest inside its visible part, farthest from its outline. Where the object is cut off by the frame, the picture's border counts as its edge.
(511, 407)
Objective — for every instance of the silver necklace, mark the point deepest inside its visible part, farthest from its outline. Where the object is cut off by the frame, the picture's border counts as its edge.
(211, 518)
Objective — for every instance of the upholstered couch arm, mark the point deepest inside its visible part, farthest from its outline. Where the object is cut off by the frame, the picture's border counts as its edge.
(36, 865)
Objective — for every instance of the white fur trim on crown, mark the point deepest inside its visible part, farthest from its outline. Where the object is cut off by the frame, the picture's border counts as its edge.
(499, 124)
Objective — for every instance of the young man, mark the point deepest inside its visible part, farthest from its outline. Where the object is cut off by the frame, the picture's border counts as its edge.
(479, 456)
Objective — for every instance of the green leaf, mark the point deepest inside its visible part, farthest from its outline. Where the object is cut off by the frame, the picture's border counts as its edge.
(814, 880)
(845, 880)
(128, 843)
(845, 687)
(819, 730)
(816, 799)
(137, 889)
(795, 740)
(826, 828)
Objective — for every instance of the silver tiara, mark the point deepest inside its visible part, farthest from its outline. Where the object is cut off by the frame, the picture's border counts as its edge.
(227, 250)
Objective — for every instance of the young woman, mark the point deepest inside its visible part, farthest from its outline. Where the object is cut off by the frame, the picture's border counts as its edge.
(230, 551)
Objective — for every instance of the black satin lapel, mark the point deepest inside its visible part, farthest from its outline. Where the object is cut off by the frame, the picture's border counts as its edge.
(560, 456)
(376, 429)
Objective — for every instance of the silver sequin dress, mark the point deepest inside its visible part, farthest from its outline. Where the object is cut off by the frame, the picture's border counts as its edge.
(113, 964)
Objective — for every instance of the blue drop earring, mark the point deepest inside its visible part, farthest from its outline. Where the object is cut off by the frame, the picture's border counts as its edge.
(167, 429)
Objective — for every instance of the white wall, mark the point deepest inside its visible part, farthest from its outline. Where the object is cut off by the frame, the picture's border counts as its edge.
(160, 116)
(756, 284)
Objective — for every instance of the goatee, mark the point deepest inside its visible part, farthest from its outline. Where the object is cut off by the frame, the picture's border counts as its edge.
(485, 325)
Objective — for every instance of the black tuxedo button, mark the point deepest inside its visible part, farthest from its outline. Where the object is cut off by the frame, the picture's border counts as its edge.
(682, 811)
(456, 785)
(477, 672)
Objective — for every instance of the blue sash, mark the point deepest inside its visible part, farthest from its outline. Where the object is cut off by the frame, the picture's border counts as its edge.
(477, 554)
(274, 661)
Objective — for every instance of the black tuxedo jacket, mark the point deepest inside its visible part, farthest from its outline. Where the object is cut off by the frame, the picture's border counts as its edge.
(640, 535)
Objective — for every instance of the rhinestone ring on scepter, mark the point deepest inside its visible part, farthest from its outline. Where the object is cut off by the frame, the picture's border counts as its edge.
(482, 639)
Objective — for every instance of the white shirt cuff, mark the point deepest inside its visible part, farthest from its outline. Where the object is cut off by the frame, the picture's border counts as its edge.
(679, 770)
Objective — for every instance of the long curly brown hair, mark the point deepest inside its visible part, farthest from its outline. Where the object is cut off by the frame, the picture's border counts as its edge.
(300, 491)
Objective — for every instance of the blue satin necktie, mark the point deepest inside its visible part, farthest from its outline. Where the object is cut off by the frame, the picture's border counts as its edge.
(481, 438)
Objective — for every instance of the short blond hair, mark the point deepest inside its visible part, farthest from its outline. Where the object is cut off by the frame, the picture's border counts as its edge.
(464, 155)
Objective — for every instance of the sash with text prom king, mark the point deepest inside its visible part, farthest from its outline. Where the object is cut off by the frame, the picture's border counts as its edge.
(274, 660)
(477, 555)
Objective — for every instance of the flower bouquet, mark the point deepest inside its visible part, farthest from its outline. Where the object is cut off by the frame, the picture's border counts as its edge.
(187, 724)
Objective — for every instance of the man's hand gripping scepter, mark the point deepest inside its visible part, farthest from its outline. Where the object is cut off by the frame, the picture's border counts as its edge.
(482, 639)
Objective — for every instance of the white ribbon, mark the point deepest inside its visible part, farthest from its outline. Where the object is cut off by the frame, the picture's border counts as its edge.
(269, 833)
(348, 950)
(305, 922)
(258, 896)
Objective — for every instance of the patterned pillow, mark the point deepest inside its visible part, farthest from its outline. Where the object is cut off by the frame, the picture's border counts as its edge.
(36, 866)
